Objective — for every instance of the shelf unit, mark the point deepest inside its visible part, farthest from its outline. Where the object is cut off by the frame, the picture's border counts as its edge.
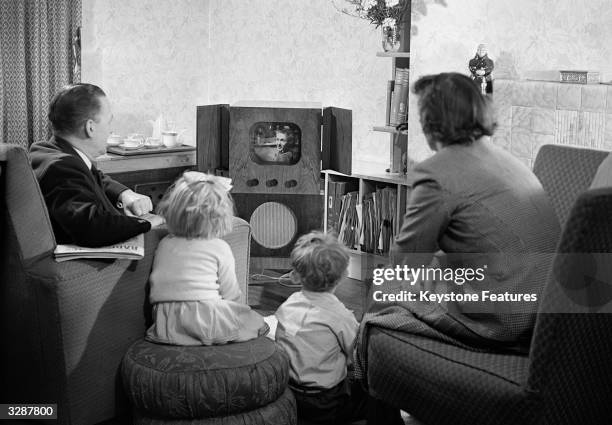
(398, 142)
(368, 180)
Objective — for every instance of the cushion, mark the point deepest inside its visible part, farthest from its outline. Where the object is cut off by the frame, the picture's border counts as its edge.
(204, 381)
(279, 412)
(445, 384)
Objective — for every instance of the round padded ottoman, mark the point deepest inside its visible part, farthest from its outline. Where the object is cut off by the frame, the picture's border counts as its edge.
(280, 412)
(170, 382)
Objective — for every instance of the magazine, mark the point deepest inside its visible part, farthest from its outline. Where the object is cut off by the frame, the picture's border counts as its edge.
(132, 249)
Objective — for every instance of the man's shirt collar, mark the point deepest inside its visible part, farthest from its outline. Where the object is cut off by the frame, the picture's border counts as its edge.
(83, 157)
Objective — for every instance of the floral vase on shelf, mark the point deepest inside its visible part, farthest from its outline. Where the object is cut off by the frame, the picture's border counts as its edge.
(390, 15)
(390, 37)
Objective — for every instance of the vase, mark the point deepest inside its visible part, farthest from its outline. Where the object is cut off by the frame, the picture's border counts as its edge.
(390, 38)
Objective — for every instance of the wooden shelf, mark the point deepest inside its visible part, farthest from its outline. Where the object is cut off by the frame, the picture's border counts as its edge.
(367, 179)
(393, 54)
(385, 128)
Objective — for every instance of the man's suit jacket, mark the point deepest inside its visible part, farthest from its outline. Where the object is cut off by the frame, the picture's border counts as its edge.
(81, 202)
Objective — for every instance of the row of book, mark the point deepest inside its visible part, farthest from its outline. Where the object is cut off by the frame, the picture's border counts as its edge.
(397, 97)
(367, 224)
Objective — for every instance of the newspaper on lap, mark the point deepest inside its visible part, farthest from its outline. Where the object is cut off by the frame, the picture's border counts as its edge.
(132, 249)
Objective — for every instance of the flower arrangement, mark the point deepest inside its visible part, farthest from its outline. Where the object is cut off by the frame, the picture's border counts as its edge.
(378, 12)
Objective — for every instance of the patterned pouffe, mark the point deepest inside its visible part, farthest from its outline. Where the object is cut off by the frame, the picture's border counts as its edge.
(237, 383)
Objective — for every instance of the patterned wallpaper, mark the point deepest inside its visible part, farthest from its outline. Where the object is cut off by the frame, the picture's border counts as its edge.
(526, 38)
(173, 55)
(149, 57)
(169, 56)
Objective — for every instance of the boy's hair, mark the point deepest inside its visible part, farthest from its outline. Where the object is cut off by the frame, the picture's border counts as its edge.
(319, 261)
(197, 205)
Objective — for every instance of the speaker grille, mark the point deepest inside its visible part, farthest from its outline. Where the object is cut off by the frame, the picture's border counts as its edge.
(274, 225)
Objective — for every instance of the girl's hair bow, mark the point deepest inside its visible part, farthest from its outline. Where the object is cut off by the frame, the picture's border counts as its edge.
(196, 176)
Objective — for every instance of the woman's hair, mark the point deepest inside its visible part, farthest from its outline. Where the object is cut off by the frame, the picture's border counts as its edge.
(198, 205)
(452, 109)
(319, 261)
(72, 106)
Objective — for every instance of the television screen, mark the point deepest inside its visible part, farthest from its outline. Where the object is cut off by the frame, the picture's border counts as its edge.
(275, 143)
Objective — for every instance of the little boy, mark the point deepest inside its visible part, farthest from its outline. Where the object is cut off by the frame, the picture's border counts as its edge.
(318, 333)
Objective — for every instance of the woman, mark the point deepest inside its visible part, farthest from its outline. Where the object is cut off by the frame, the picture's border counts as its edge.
(473, 206)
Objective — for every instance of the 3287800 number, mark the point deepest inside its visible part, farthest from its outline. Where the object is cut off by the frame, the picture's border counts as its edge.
(29, 411)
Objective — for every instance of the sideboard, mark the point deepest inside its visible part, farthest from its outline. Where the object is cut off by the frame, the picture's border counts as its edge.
(149, 174)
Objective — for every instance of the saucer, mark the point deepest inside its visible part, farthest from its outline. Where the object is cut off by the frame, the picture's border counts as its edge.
(130, 148)
(113, 143)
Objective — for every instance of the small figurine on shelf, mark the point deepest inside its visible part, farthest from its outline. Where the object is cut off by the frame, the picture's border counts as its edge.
(481, 67)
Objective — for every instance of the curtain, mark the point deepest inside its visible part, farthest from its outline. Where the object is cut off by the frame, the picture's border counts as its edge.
(39, 54)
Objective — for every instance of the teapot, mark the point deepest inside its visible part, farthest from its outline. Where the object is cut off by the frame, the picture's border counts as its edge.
(158, 125)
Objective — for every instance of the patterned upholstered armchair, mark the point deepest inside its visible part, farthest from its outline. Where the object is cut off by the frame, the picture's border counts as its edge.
(66, 326)
(565, 172)
(565, 379)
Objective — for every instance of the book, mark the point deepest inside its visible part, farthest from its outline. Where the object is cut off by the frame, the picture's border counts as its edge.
(335, 191)
(390, 85)
(397, 86)
(399, 104)
(132, 249)
(402, 108)
(348, 232)
(334, 203)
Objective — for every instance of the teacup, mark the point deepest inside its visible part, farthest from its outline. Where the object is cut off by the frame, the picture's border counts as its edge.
(170, 139)
(152, 142)
(133, 142)
(114, 140)
(137, 136)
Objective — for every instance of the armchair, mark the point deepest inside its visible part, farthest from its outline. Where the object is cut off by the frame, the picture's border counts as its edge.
(66, 326)
(565, 172)
(565, 379)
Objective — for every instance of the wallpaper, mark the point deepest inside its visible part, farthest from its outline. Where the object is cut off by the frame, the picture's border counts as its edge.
(150, 57)
(166, 56)
(526, 39)
(170, 56)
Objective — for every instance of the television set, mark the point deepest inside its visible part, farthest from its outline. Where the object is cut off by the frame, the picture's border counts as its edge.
(274, 153)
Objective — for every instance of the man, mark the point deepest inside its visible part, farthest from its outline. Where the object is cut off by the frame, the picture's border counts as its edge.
(282, 155)
(481, 67)
(83, 203)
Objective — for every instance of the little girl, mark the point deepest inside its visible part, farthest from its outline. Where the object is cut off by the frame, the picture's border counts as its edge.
(194, 290)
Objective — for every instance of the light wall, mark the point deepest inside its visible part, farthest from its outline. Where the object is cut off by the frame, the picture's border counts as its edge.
(526, 39)
(149, 57)
(172, 55)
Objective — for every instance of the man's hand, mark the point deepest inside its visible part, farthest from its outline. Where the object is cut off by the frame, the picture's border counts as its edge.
(480, 72)
(135, 203)
(155, 220)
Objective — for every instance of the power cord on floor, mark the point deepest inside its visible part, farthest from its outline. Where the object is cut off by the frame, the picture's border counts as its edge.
(283, 280)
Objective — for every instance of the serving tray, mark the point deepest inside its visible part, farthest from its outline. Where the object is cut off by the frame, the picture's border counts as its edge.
(148, 151)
